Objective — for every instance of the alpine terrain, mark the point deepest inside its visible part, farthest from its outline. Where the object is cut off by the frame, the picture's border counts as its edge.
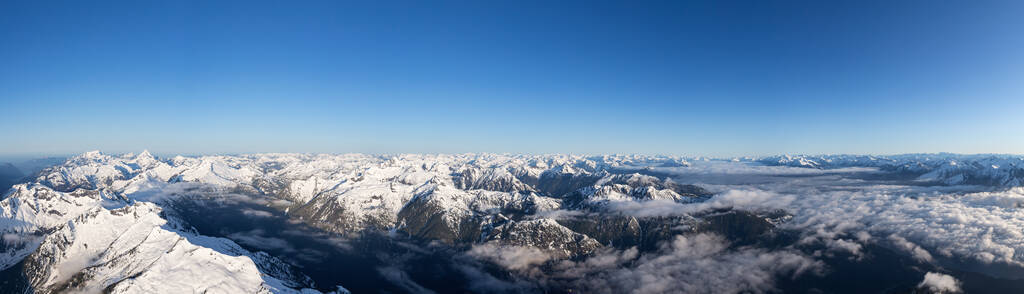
(498, 223)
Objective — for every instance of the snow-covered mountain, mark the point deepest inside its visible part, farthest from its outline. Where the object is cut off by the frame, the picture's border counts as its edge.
(133, 249)
(347, 193)
(83, 226)
(97, 220)
(110, 223)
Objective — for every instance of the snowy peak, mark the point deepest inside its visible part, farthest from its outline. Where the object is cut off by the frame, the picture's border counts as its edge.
(131, 250)
(96, 219)
(90, 155)
(145, 159)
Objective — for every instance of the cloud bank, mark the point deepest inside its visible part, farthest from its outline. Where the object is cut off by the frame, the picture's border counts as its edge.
(701, 263)
(940, 283)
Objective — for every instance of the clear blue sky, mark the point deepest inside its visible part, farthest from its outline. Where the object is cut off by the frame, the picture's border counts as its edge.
(718, 78)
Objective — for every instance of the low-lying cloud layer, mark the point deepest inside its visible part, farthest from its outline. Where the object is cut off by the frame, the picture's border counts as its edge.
(942, 226)
(754, 200)
(951, 222)
(985, 227)
(701, 263)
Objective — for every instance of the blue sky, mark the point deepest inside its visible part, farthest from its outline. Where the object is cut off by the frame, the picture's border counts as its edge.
(719, 78)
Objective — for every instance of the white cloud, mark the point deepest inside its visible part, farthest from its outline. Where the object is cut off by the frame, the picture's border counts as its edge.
(969, 226)
(940, 283)
(13, 238)
(557, 214)
(929, 224)
(256, 213)
(916, 251)
(701, 263)
(256, 238)
(483, 282)
(516, 258)
(401, 279)
(752, 200)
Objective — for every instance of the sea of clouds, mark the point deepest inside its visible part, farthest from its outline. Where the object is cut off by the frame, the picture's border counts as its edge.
(834, 212)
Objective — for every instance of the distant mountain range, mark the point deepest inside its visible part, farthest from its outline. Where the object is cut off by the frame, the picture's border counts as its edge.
(951, 169)
(9, 175)
(15, 172)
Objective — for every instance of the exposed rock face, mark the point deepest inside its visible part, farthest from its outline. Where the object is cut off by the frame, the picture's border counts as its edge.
(560, 183)
(492, 179)
(742, 227)
(544, 234)
(440, 213)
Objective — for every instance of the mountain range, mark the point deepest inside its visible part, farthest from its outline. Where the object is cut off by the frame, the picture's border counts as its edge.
(136, 223)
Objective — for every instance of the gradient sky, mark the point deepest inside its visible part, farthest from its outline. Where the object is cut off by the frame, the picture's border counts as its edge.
(719, 78)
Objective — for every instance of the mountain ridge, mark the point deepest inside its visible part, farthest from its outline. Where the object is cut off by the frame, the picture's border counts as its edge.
(462, 200)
